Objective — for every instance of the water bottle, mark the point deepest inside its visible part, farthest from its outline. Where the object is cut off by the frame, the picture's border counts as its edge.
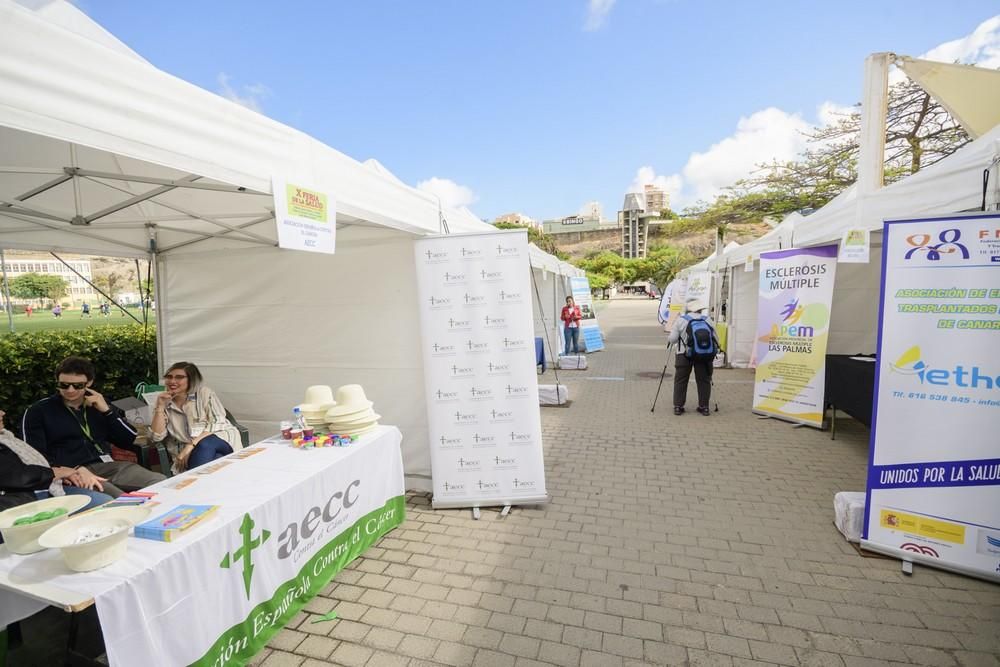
(298, 419)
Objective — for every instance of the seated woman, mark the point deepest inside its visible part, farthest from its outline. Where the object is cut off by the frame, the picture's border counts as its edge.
(26, 476)
(190, 420)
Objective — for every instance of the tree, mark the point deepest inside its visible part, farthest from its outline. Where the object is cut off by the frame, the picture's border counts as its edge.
(111, 282)
(38, 286)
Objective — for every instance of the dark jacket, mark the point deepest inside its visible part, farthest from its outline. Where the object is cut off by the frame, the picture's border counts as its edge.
(55, 431)
(18, 481)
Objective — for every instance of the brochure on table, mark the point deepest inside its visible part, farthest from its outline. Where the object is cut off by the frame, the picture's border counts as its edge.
(934, 472)
(479, 369)
(288, 521)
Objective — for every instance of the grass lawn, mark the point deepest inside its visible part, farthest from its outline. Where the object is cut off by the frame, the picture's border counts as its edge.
(44, 321)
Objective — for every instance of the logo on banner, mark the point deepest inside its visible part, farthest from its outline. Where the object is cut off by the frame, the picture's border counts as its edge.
(522, 484)
(490, 276)
(459, 325)
(988, 543)
(506, 251)
(452, 278)
(435, 256)
(468, 464)
(514, 343)
(471, 253)
(448, 443)
(517, 438)
(974, 377)
(495, 322)
(441, 396)
(462, 371)
(947, 245)
(474, 300)
(516, 391)
(503, 462)
(479, 440)
(792, 312)
(509, 297)
(437, 303)
(493, 368)
(450, 488)
(919, 549)
(481, 393)
(465, 418)
(488, 487)
(439, 350)
(245, 551)
(501, 416)
(306, 204)
(477, 347)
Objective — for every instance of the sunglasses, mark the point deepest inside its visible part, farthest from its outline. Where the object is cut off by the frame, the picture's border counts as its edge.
(175, 377)
(74, 385)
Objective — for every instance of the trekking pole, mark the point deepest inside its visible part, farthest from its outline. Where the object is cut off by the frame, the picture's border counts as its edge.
(662, 375)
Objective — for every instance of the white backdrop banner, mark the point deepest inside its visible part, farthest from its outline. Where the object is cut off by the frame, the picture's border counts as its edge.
(479, 369)
(590, 331)
(934, 472)
(793, 324)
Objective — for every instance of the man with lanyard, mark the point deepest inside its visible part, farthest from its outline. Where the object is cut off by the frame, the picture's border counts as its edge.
(73, 428)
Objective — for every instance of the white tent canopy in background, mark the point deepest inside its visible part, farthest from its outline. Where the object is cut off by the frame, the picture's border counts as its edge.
(970, 94)
(101, 153)
(952, 185)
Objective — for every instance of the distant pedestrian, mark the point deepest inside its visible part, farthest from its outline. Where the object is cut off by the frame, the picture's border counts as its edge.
(105, 308)
(57, 310)
(571, 317)
(84, 310)
(27, 310)
(696, 345)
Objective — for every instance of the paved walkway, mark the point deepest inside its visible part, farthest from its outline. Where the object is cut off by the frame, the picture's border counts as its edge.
(669, 540)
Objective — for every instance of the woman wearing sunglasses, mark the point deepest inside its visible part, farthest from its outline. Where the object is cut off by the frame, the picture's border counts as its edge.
(189, 419)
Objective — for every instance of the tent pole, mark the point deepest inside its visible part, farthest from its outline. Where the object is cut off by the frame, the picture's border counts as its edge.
(6, 293)
(159, 299)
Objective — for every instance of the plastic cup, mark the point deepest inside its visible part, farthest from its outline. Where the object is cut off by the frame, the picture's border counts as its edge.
(309, 432)
(296, 433)
(286, 430)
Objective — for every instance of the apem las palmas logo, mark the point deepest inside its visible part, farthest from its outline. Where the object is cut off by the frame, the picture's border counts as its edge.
(966, 377)
(947, 245)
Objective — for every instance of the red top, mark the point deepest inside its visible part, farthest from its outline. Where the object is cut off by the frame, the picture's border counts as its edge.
(571, 315)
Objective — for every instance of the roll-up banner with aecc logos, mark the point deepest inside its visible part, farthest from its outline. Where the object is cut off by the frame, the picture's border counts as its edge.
(793, 322)
(934, 471)
(479, 369)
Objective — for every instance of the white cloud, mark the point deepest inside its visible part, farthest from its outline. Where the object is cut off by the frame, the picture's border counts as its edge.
(980, 47)
(248, 95)
(451, 193)
(597, 14)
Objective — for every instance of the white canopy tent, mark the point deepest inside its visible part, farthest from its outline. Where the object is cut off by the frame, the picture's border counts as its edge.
(101, 153)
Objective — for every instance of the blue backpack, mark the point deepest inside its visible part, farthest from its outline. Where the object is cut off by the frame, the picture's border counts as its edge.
(700, 339)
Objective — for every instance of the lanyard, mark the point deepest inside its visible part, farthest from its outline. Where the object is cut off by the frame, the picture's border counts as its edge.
(85, 426)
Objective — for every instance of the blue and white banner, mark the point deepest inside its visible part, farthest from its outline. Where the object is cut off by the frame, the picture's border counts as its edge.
(590, 330)
(934, 471)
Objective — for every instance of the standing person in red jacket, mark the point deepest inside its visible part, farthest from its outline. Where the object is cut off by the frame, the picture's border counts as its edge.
(571, 317)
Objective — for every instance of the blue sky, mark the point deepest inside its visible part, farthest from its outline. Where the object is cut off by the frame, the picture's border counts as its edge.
(541, 106)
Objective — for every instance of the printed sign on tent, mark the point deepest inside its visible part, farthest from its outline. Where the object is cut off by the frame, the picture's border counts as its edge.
(854, 246)
(793, 322)
(934, 471)
(306, 217)
(590, 330)
(479, 369)
(748, 264)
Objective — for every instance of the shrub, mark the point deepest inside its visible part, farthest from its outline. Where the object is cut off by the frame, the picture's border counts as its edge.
(123, 355)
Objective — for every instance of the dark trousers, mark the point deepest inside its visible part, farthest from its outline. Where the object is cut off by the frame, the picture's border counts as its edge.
(702, 377)
(210, 448)
(123, 476)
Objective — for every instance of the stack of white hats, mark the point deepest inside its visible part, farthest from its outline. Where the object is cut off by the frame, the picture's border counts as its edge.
(353, 414)
(319, 399)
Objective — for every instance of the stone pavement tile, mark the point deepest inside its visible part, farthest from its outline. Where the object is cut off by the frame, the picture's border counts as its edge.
(972, 659)
(287, 640)
(385, 659)
(487, 658)
(282, 659)
(559, 654)
(453, 653)
(317, 647)
(597, 659)
(417, 647)
(809, 657)
(351, 655)
(699, 658)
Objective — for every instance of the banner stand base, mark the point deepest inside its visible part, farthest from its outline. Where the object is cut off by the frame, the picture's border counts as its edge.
(795, 422)
(911, 557)
(504, 503)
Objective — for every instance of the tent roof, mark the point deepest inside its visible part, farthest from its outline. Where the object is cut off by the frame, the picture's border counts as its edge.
(101, 151)
(970, 94)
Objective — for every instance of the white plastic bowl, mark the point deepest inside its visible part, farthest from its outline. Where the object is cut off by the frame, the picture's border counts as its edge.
(97, 553)
(24, 539)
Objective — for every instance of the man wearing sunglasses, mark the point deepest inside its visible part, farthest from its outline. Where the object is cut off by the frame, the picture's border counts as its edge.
(74, 429)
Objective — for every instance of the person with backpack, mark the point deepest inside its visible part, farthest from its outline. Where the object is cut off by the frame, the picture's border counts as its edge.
(693, 336)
